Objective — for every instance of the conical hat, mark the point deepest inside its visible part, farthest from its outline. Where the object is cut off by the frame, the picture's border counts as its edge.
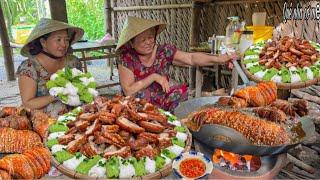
(134, 26)
(46, 26)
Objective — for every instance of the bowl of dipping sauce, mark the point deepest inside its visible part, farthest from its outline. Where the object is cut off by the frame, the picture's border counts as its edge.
(192, 165)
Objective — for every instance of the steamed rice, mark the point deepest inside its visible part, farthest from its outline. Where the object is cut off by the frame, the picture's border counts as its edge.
(181, 136)
(150, 165)
(57, 147)
(126, 171)
(277, 79)
(73, 163)
(309, 73)
(98, 171)
(55, 135)
(176, 123)
(176, 149)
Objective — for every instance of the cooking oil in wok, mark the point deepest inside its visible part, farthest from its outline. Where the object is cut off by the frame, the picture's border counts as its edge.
(298, 131)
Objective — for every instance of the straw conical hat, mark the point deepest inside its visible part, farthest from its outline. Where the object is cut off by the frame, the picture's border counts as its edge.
(46, 26)
(134, 26)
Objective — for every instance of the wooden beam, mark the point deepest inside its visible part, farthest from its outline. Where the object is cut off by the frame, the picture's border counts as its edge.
(157, 7)
(108, 20)
(7, 52)
(195, 24)
(58, 10)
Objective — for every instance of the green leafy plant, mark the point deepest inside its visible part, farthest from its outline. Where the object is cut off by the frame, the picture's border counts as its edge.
(89, 15)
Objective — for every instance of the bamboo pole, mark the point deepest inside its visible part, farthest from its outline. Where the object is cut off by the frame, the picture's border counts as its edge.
(108, 21)
(244, 1)
(7, 52)
(58, 10)
(157, 7)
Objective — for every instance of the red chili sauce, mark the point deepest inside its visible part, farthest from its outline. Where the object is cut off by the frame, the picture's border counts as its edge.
(192, 168)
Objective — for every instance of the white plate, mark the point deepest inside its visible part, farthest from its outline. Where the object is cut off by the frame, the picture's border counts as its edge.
(196, 155)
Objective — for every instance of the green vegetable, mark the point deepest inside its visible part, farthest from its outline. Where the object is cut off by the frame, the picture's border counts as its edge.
(112, 166)
(60, 81)
(92, 85)
(81, 87)
(256, 68)
(168, 153)
(86, 97)
(172, 118)
(64, 98)
(180, 129)
(85, 166)
(51, 84)
(68, 73)
(52, 142)
(78, 155)
(303, 74)
(269, 74)
(315, 71)
(62, 156)
(58, 127)
(250, 52)
(160, 162)
(76, 111)
(285, 74)
(178, 142)
(252, 60)
(138, 166)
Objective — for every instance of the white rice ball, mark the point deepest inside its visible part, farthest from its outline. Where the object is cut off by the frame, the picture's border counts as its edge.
(295, 78)
(277, 79)
(309, 72)
(57, 147)
(251, 57)
(176, 123)
(150, 165)
(249, 65)
(176, 149)
(55, 135)
(126, 171)
(98, 171)
(182, 136)
(260, 74)
(73, 163)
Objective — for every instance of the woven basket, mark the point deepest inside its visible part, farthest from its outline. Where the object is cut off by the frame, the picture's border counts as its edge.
(164, 172)
(281, 85)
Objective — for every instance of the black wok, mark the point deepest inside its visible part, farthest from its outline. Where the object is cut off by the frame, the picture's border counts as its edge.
(228, 139)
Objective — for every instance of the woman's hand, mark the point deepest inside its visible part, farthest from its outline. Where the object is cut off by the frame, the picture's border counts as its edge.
(228, 59)
(224, 58)
(162, 80)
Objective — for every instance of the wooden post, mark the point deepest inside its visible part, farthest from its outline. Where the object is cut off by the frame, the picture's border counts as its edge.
(114, 14)
(195, 23)
(58, 10)
(194, 41)
(7, 52)
(108, 21)
(199, 81)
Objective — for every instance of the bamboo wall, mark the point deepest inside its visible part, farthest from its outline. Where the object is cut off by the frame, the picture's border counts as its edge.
(213, 20)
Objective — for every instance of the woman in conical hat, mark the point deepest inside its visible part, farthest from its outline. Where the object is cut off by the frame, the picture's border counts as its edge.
(47, 50)
(144, 65)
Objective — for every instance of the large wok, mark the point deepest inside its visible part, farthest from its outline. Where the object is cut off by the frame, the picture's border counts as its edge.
(217, 136)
